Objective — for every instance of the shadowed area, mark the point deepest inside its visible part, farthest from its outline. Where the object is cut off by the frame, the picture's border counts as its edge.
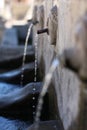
(8, 124)
(11, 58)
(16, 102)
(14, 76)
(48, 125)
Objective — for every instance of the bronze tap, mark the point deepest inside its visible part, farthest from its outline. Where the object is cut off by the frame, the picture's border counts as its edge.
(45, 30)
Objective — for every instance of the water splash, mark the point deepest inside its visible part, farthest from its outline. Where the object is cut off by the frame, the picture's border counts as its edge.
(47, 81)
(24, 55)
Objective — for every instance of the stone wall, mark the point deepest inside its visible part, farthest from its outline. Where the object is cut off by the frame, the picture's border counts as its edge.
(64, 81)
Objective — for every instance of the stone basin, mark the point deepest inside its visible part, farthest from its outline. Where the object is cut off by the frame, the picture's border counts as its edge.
(48, 125)
(17, 103)
(8, 124)
(9, 63)
(12, 52)
(14, 76)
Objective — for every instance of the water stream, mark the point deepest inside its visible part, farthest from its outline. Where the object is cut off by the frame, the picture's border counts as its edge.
(23, 63)
(47, 81)
(35, 72)
(24, 55)
(36, 43)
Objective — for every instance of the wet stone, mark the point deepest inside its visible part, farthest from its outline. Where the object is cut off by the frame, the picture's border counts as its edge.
(17, 103)
(8, 124)
(14, 76)
(47, 125)
(12, 57)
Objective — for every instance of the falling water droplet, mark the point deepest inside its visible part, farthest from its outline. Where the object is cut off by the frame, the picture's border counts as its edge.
(33, 113)
(33, 106)
(35, 73)
(33, 98)
(35, 79)
(34, 89)
(23, 69)
(55, 127)
(22, 75)
(35, 69)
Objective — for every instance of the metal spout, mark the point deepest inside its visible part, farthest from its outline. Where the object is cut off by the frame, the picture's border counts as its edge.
(43, 31)
(34, 22)
(29, 20)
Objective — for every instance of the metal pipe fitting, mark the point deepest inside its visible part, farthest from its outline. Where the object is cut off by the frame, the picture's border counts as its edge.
(45, 30)
(34, 22)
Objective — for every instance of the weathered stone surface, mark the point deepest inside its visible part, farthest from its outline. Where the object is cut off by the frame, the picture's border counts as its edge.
(46, 54)
(48, 125)
(68, 95)
(10, 63)
(19, 103)
(52, 24)
(65, 82)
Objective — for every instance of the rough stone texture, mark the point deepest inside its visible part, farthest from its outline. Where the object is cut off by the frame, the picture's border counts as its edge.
(65, 82)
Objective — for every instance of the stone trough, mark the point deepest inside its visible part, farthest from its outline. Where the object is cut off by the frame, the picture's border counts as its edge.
(17, 103)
